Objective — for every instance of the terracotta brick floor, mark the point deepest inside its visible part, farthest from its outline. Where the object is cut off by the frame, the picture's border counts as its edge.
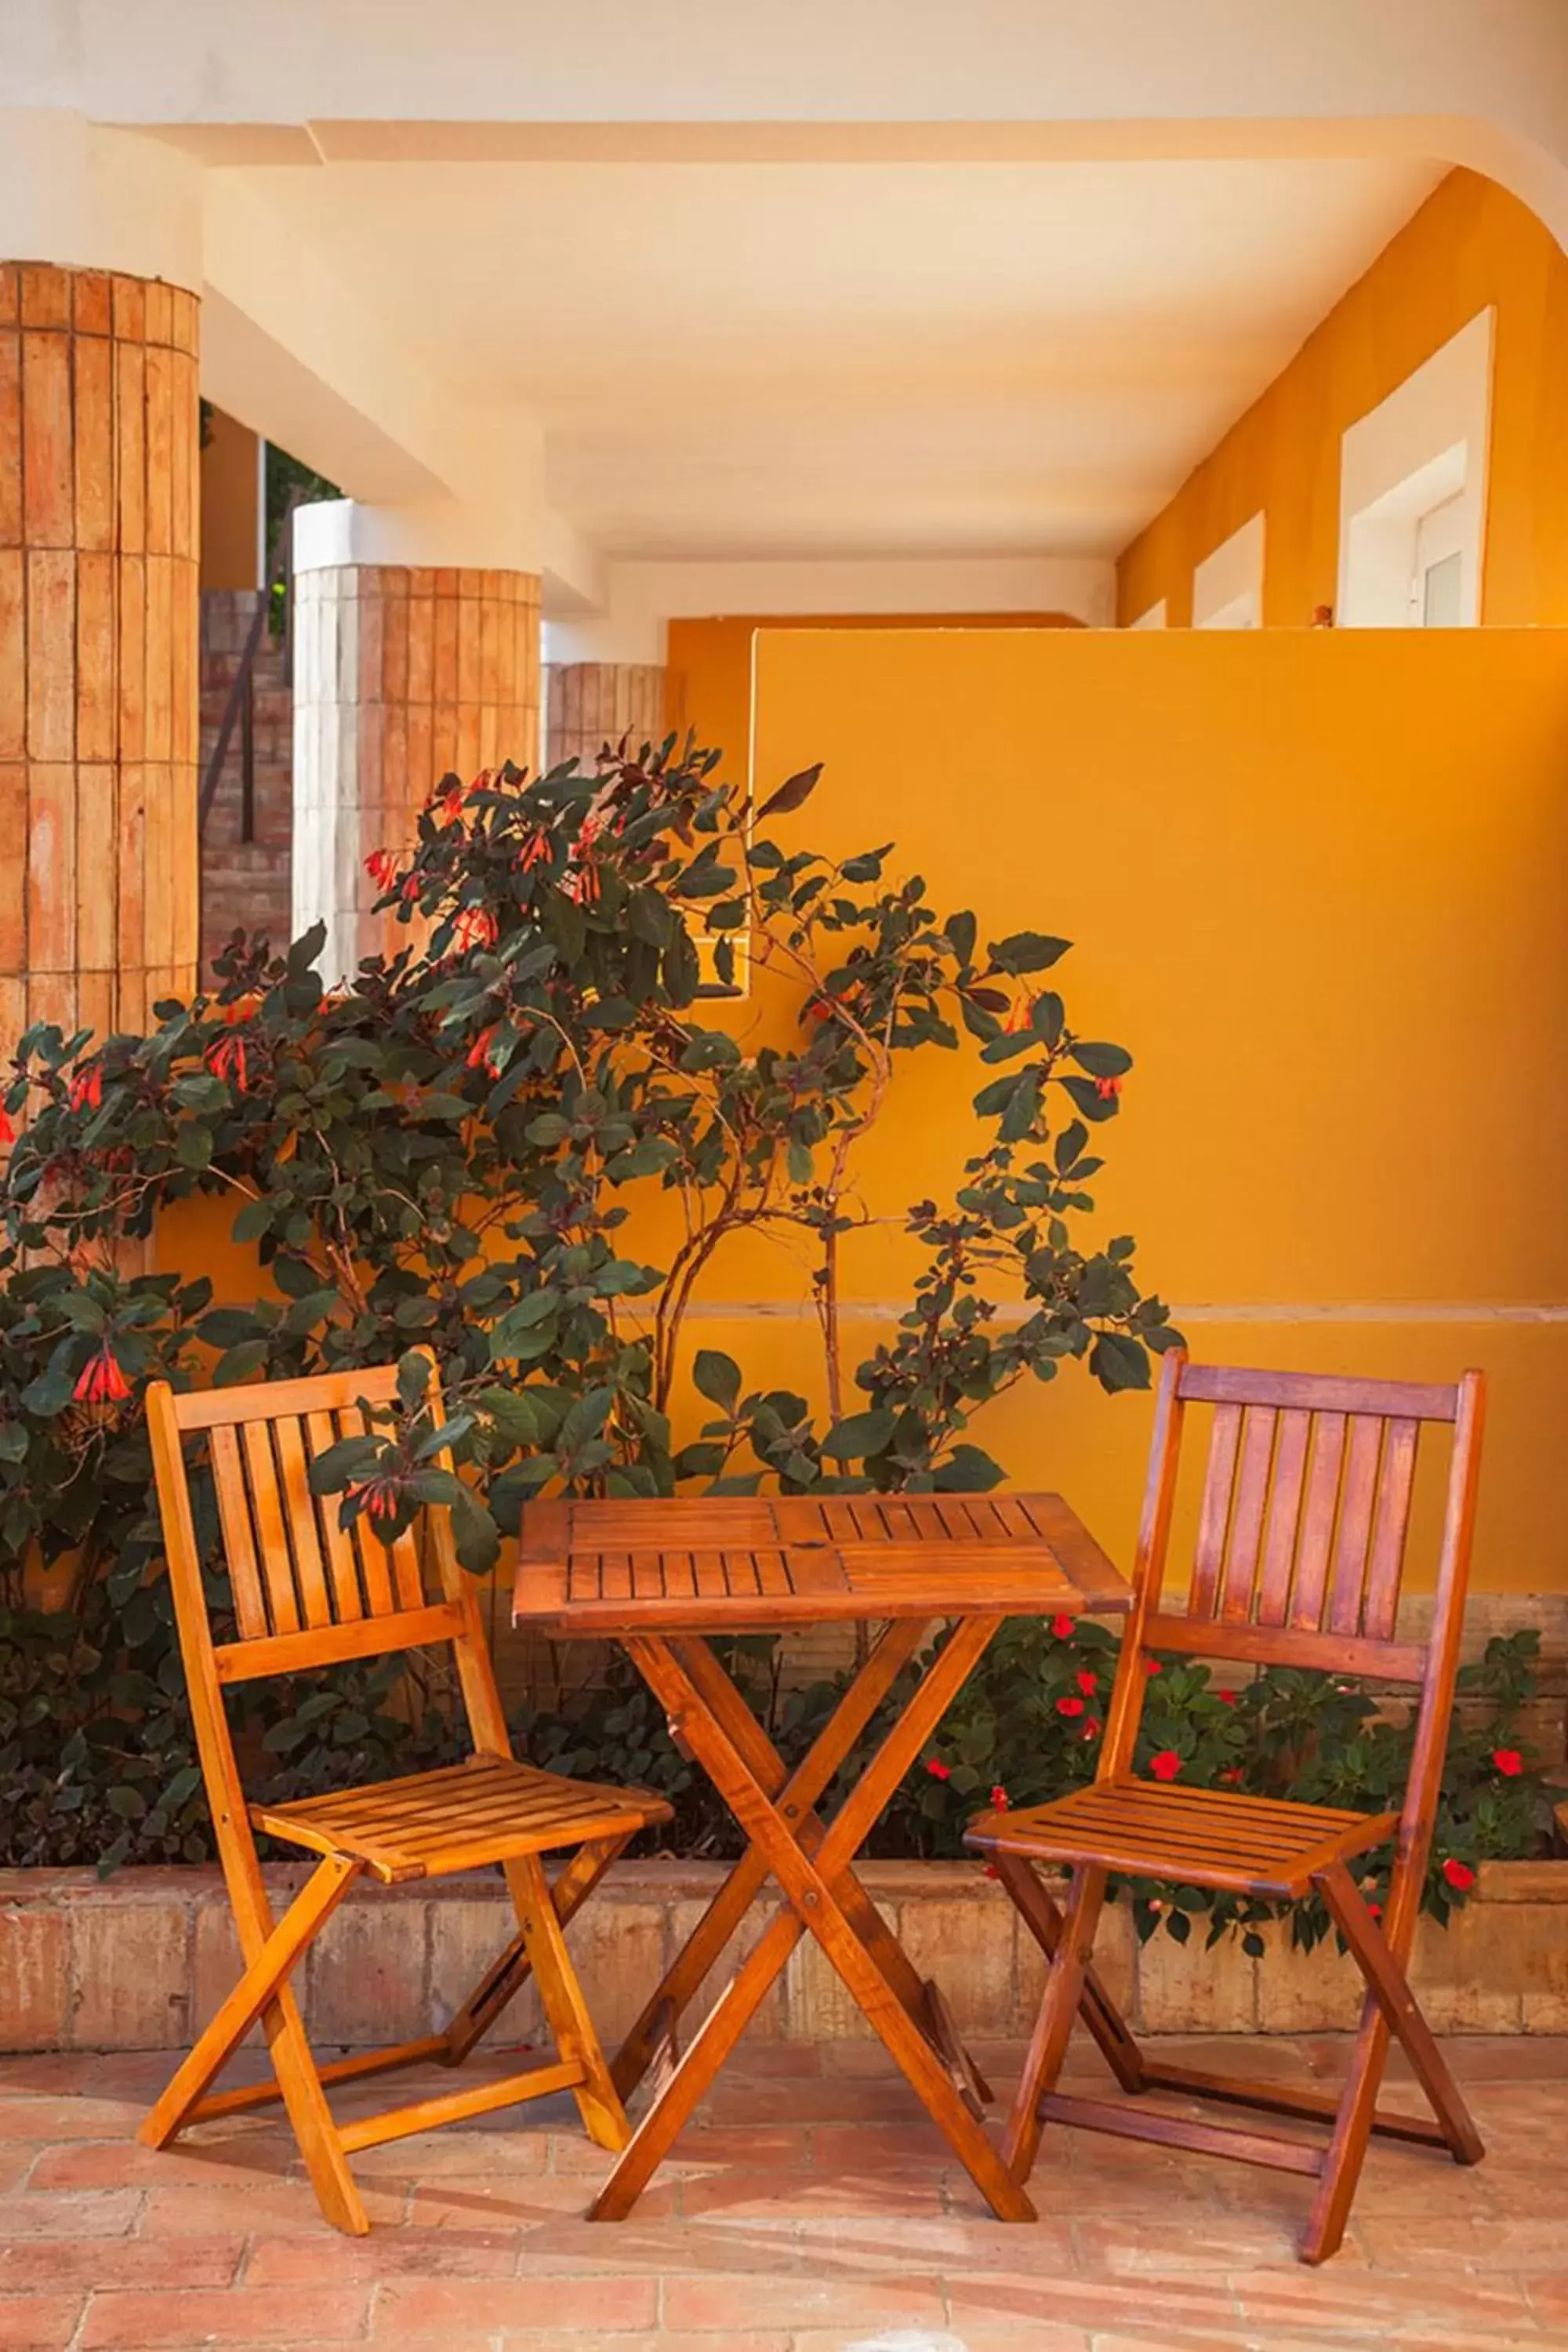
(809, 2210)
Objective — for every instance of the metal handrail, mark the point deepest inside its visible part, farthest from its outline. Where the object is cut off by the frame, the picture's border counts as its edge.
(279, 573)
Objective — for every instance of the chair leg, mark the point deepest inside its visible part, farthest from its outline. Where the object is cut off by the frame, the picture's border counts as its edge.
(1100, 2015)
(283, 1950)
(566, 2010)
(304, 2100)
(1387, 1984)
(506, 1977)
(1053, 2027)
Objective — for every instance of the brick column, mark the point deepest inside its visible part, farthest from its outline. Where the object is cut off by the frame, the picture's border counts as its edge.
(99, 453)
(402, 673)
(589, 704)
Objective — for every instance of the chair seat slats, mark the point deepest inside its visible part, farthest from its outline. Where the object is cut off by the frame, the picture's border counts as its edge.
(1159, 1831)
(460, 1817)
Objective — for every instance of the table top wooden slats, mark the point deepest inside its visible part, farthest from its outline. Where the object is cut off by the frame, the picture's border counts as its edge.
(739, 1562)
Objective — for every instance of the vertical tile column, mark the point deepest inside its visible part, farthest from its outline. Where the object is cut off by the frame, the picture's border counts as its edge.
(402, 675)
(98, 456)
(589, 704)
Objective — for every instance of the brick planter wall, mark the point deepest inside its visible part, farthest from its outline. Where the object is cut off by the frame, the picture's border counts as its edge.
(140, 1961)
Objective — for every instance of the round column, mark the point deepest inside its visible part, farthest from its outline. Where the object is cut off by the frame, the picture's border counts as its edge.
(403, 673)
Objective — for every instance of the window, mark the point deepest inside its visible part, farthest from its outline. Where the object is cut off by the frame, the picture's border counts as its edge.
(1227, 586)
(1413, 483)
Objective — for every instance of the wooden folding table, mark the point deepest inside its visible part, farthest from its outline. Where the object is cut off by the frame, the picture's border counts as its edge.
(665, 1579)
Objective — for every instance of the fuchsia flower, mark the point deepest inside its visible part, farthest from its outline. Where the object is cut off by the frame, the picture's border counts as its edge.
(1509, 1762)
(1459, 1875)
(101, 1380)
(1108, 1088)
(1091, 1729)
(1225, 1698)
(1166, 1765)
(1069, 1706)
(7, 1132)
(1062, 1627)
(473, 927)
(938, 1769)
(1087, 1682)
(86, 1088)
(382, 868)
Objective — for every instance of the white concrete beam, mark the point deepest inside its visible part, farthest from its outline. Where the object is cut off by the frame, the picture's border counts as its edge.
(1484, 85)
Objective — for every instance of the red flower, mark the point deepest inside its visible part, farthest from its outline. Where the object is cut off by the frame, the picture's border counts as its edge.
(1020, 1016)
(226, 1060)
(382, 868)
(480, 1055)
(583, 884)
(1225, 1698)
(938, 1769)
(1062, 1627)
(1459, 1875)
(1232, 1776)
(1000, 1798)
(1069, 1706)
(409, 889)
(1152, 1666)
(452, 805)
(1108, 1088)
(991, 1870)
(1375, 1910)
(1166, 1765)
(1091, 1729)
(535, 848)
(101, 1380)
(1509, 1762)
(7, 1132)
(86, 1088)
(1087, 1682)
(473, 927)
(379, 1496)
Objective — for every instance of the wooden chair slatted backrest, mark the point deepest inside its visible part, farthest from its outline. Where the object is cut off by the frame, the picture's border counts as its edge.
(294, 1568)
(305, 1591)
(1306, 1506)
(1301, 1546)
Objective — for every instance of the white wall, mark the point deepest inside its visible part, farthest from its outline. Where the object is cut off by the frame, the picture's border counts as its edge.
(641, 598)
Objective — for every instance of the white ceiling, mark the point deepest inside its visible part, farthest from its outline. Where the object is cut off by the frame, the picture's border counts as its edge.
(740, 358)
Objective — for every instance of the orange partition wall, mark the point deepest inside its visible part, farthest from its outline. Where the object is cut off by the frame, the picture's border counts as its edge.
(1318, 884)
(1470, 245)
(708, 676)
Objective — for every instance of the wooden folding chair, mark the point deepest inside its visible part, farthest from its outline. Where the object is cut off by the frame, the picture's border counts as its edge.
(1298, 1558)
(305, 1594)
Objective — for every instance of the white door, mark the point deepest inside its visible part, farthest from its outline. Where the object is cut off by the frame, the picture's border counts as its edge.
(1438, 597)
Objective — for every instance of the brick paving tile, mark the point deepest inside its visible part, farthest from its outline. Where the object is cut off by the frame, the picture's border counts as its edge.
(38, 2322)
(409, 2308)
(712, 2305)
(82, 2213)
(38, 2264)
(130, 2320)
(385, 2254)
(233, 2204)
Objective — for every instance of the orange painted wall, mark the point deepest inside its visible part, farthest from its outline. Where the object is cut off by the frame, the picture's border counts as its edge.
(709, 664)
(1319, 886)
(1470, 245)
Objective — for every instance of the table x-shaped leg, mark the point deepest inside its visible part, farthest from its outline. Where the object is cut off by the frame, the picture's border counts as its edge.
(822, 1894)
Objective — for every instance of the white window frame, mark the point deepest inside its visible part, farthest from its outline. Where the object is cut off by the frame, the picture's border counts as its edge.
(1227, 585)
